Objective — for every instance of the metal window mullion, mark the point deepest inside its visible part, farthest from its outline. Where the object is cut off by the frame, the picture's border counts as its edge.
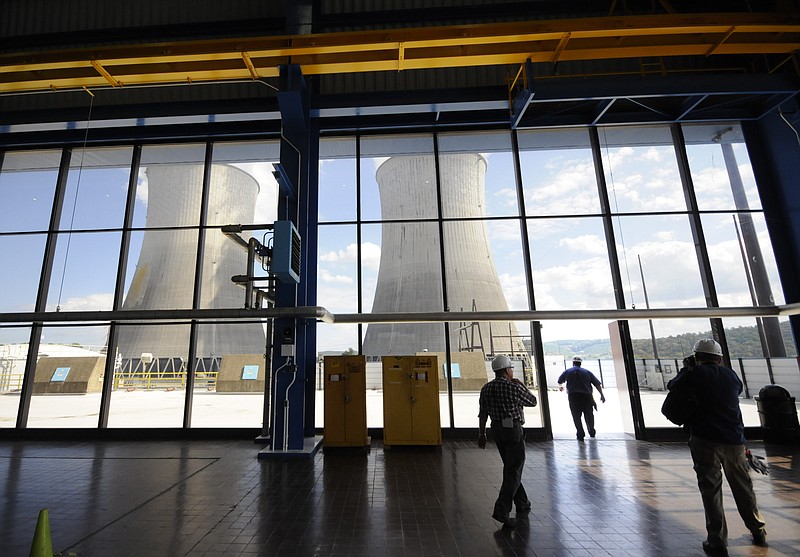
(445, 302)
(119, 288)
(44, 289)
(537, 345)
(623, 326)
(608, 223)
(359, 236)
(198, 285)
(696, 226)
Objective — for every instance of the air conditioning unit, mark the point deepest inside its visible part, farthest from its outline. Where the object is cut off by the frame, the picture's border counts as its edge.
(285, 252)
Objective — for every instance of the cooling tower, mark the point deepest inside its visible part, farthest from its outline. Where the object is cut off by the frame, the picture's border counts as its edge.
(409, 277)
(165, 269)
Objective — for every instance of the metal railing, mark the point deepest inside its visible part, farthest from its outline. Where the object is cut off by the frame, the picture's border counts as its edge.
(654, 374)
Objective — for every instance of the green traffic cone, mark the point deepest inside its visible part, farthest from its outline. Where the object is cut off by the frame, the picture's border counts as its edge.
(42, 545)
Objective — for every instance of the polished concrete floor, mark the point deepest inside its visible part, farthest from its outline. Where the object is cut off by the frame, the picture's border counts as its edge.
(203, 498)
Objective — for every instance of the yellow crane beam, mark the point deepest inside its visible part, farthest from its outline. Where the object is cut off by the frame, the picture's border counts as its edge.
(403, 50)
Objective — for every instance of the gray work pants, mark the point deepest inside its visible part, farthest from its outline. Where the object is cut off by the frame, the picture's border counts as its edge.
(710, 460)
(511, 446)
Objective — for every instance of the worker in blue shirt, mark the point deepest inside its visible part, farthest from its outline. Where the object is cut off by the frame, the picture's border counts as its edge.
(579, 391)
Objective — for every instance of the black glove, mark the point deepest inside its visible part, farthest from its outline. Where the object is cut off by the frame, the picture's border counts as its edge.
(757, 463)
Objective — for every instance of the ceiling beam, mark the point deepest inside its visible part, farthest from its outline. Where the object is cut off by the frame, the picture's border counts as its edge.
(402, 50)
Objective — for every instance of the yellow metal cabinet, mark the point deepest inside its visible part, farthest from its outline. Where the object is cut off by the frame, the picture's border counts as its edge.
(411, 401)
(345, 401)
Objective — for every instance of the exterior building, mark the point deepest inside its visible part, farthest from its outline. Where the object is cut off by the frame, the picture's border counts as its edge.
(167, 261)
(410, 276)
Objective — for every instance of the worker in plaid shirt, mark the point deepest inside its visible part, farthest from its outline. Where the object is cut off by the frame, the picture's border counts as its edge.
(503, 399)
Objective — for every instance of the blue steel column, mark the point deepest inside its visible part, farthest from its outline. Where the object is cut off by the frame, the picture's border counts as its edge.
(774, 150)
(289, 383)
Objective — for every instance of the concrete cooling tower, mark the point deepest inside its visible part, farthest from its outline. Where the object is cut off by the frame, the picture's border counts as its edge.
(164, 271)
(409, 278)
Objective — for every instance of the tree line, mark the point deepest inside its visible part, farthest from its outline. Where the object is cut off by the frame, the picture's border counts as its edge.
(743, 342)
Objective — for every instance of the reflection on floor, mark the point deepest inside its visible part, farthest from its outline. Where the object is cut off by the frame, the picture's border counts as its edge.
(203, 498)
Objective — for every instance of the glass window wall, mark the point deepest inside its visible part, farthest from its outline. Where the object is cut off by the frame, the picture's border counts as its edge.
(84, 271)
(385, 247)
(69, 377)
(13, 357)
(18, 290)
(337, 180)
(571, 269)
(27, 188)
(97, 189)
(641, 169)
(229, 375)
(558, 173)
(150, 382)
(658, 261)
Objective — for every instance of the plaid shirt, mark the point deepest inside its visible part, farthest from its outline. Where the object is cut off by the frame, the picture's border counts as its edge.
(502, 398)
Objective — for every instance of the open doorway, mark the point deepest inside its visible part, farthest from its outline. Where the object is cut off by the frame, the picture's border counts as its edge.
(563, 340)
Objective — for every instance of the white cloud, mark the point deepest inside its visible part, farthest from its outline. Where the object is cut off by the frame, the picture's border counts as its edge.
(142, 186)
(93, 302)
(506, 197)
(336, 337)
(585, 285)
(515, 291)
(327, 277)
(571, 190)
(586, 243)
(503, 231)
(652, 154)
(370, 255)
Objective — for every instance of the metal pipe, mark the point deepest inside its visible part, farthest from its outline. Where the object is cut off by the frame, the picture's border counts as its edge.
(561, 315)
(290, 363)
(275, 403)
(789, 309)
(134, 316)
(319, 312)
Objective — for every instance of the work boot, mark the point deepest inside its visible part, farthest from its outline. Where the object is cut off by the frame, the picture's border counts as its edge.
(715, 550)
(506, 521)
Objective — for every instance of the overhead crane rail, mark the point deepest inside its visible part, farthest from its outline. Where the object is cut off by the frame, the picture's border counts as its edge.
(512, 44)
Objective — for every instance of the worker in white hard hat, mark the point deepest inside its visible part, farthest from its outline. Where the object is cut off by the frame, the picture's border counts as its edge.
(579, 392)
(503, 400)
(717, 444)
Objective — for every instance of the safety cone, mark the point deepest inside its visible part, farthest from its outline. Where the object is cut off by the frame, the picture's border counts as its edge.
(42, 545)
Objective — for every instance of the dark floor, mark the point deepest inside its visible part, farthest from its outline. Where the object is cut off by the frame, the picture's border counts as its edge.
(168, 498)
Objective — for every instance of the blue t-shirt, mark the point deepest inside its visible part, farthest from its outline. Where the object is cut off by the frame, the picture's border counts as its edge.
(718, 418)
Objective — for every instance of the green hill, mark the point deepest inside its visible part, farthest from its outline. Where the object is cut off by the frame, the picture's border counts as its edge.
(743, 342)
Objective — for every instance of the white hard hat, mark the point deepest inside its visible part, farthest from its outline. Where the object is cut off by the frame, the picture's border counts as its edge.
(708, 346)
(577, 359)
(501, 362)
